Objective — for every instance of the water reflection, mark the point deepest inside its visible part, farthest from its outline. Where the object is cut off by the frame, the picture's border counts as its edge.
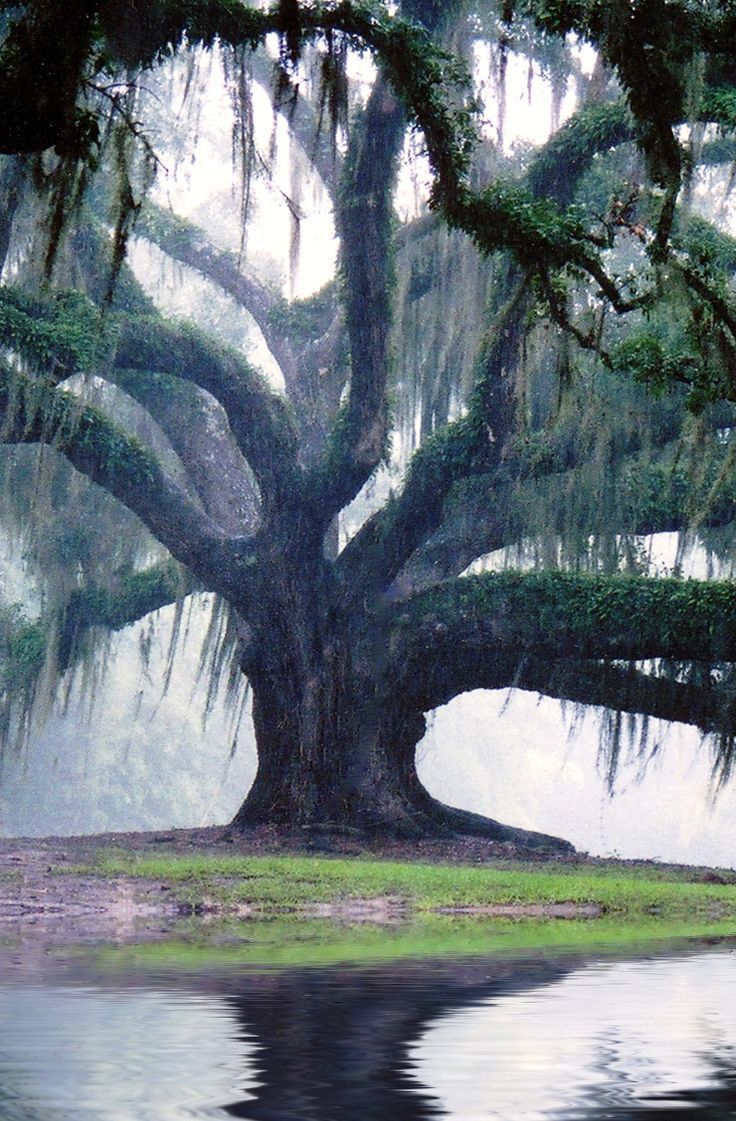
(470, 1040)
(608, 1041)
(87, 1053)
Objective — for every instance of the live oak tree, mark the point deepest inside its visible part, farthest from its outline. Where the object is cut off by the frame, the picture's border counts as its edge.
(593, 260)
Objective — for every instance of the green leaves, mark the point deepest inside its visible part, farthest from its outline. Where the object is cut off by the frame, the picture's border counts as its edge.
(62, 335)
(644, 357)
(25, 653)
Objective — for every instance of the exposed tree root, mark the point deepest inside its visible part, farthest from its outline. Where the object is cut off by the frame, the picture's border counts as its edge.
(425, 819)
(444, 820)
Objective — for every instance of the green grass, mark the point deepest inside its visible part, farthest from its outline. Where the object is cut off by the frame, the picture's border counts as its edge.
(277, 882)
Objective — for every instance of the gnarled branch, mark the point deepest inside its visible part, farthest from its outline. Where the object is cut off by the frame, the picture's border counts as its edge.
(258, 418)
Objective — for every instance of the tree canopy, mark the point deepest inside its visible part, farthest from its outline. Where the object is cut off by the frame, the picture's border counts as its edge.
(550, 340)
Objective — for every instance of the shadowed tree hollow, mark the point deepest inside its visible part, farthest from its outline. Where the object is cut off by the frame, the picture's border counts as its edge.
(594, 405)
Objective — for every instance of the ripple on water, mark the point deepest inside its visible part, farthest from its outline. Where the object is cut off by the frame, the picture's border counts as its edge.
(538, 1040)
(92, 1054)
(610, 1040)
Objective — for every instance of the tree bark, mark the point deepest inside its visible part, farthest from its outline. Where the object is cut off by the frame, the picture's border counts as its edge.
(336, 746)
(328, 762)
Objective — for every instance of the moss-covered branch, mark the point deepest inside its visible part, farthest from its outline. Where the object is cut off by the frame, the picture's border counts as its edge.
(705, 704)
(197, 429)
(365, 219)
(471, 445)
(595, 127)
(558, 616)
(259, 419)
(57, 336)
(66, 334)
(36, 414)
(305, 337)
(186, 243)
(631, 494)
(130, 598)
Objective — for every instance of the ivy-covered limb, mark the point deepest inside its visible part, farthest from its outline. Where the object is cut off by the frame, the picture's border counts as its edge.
(704, 700)
(708, 250)
(36, 414)
(651, 44)
(418, 68)
(595, 127)
(560, 615)
(631, 495)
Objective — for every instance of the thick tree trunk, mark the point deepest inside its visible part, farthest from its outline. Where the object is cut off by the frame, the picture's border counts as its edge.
(300, 728)
(334, 757)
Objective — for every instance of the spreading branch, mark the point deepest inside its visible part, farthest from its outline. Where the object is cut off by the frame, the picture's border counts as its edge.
(644, 495)
(358, 441)
(197, 429)
(188, 245)
(626, 688)
(95, 446)
(449, 631)
(307, 359)
(128, 600)
(474, 444)
(258, 418)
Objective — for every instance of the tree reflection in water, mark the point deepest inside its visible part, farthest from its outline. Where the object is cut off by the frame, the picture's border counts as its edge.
(714, 1102)
(341, 1044)
(337, 1045)
(332, 1045)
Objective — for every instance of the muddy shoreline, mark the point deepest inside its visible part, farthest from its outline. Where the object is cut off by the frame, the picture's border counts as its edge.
(43, 894)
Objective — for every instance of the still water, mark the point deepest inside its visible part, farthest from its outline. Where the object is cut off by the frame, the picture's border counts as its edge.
(535, 1036)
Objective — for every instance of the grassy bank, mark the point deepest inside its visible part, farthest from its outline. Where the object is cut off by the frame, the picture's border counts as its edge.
(270, 883)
